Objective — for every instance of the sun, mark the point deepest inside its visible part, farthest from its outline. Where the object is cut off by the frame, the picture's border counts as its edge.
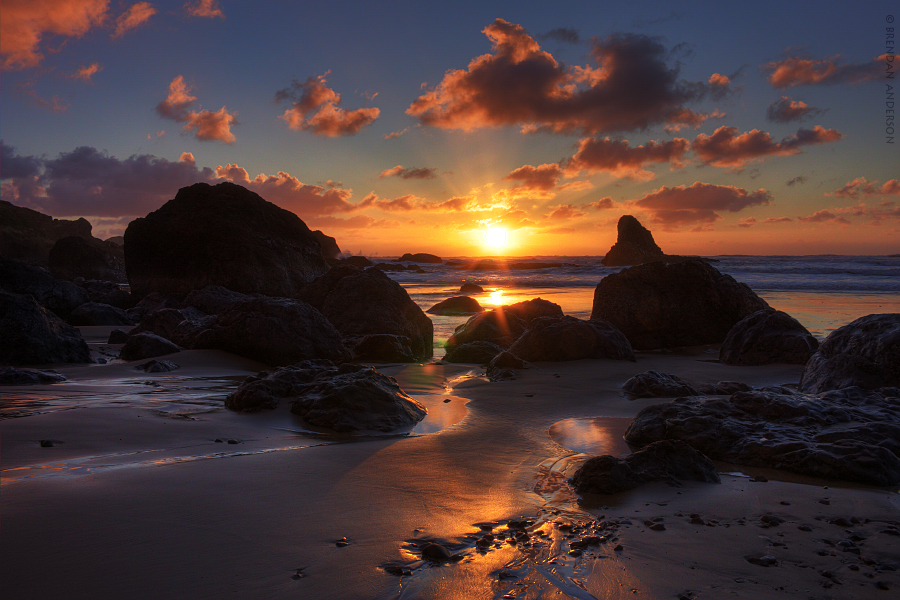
(495, 237)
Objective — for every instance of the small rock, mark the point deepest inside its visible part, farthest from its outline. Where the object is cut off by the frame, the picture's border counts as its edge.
(341, 543)
(763, 560)
(47, 443)
(436, 553)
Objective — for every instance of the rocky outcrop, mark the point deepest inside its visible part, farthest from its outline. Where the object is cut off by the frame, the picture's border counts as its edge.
(23, 376)
(529, 310)
(766, 337)
(27, 235)
(214, 299)
(849, 434)
(670, 461)
(32, 335)
(330, 250)
(383, 347)
(360, 303)
(634, 245)
(496, 326)
(477, 352)
(569, 338)
(222, 235)
(471, 288)
(653, 384)
(864, 353)
(421, 257)
(667, 305)
(106, 292)
(458, 305)
(75, 256)
(146, 345)
(361, 262)
(60, 297)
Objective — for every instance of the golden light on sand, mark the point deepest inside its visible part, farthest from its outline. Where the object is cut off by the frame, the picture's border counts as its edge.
(495, 237)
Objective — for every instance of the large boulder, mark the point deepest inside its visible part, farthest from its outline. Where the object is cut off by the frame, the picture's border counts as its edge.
(864, 353)
(222, 235)
(569, 338)
(28, 235)
(95, 313)
(496, 326)
(213, 299)
(60, 297)
(670, 461)
(478, 352)
(849, 434)
(634, 245)
(529, 310)
(653, 384)
(360, 303)
(420, 257)
(457, 305)
(146, 345)
(667, 305)
(330, 250)
(768, 336)
(178, 325)
(75, 256)
(275, 331)
(32, 335)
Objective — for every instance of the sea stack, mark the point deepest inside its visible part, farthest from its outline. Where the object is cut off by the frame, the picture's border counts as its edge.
(634, 245)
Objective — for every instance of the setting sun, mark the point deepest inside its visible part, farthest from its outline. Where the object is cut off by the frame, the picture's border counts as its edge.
(495, 237)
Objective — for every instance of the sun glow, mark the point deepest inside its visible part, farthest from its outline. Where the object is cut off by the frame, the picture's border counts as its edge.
(495, 237)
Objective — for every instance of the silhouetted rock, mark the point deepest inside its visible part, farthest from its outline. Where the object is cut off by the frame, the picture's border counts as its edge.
(504, 366)
(156, 301)
(724, 388)
(117, 336)
(330, 250)
(660, 305)
(360, 303)
(94, 313)
(634, 245)
(477, 352)
(178, 325)
(266, 389)
(471, 288)
(568, 338)
(458, 305)
(849, 434)
(27, 235)
(864, 353)
(529, 310)
(768, 336)
(146, 345)
(275, 331)
(158, 366)
(497, 326)
(214, 299)
(23, 376)
(60, 297)
(420, 257)
(381, 347)
(359, 261)
(221, 235)
(669, 461)
(653, 384)
(106, 292)
(75, 256)
(32, 335)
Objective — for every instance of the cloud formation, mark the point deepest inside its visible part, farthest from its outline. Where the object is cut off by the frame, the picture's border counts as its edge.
(631, 88)
(796, 71)
(564, 211)
(727, 148)
(314, 108)
(209, 9)
(85, 73)
(618, 158)
(136, 15)
(403, 173)
(290, 193)
(862, 187)
(26, 22)
(699, 202)
(535, 181)
(409, 203)
(206, 125)
(787, 110)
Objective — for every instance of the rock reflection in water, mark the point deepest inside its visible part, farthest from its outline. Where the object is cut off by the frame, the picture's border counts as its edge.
(592, 435)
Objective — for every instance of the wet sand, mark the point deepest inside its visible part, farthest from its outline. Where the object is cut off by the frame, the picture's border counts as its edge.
(136, 498)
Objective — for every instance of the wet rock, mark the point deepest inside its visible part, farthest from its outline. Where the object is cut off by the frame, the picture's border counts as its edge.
(669, 461)
(267, 389)
(94, 313)
(32, 335)
(723, 388)
(458, 305)
(360, 303)
(763, 560)
(497, 326)
(849, 434)
(158, 366)
(864, 353)
(146, 345)
(436, 553)
(478, 352)
(766, 337)
(421, 257)
(471, 288)
(22, 376)
(660, 305)
(634, 245)
(223, 235)
(56, 295)
(568, 338)
(653, 384)
(76, 256)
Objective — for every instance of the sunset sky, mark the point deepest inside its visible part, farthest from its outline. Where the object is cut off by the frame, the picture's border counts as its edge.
(417, 127)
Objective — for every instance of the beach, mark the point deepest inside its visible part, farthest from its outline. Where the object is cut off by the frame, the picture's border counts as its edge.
(186, 499)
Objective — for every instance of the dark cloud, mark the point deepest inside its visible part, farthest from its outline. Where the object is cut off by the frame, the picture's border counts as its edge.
(797, 179)
(726, 147)
(698, 203)
(862, 187)
(794, 71)
(314, 108)
(620, 159)
(13, 166)
(562, 34)
(404, 173)
(787, 110)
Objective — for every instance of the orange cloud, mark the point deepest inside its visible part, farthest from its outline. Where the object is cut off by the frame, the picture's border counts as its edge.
(25, 22)
(795, 71)
(409, 203)
(824, 216)
(85, 73)
(396, 134)
(535, 179)
(289, 192)
(862, 187)
(630, 89)
(564, 211)
(204, 8)
(402, 173)
(138, 14)
(601, 204)
(786, 110)
(621, 160)
(206, 125)
(725, 147)
(315, 108)
(699, 202)
(685, 117)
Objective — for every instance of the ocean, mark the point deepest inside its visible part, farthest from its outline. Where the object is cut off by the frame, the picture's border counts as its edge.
(823, 292)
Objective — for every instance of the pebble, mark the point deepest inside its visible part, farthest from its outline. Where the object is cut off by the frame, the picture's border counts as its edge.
(766, 560)
(342, 542)
(46, 443)
(804, 528)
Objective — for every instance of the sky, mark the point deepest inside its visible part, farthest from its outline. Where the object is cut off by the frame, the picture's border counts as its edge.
(466, 128)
